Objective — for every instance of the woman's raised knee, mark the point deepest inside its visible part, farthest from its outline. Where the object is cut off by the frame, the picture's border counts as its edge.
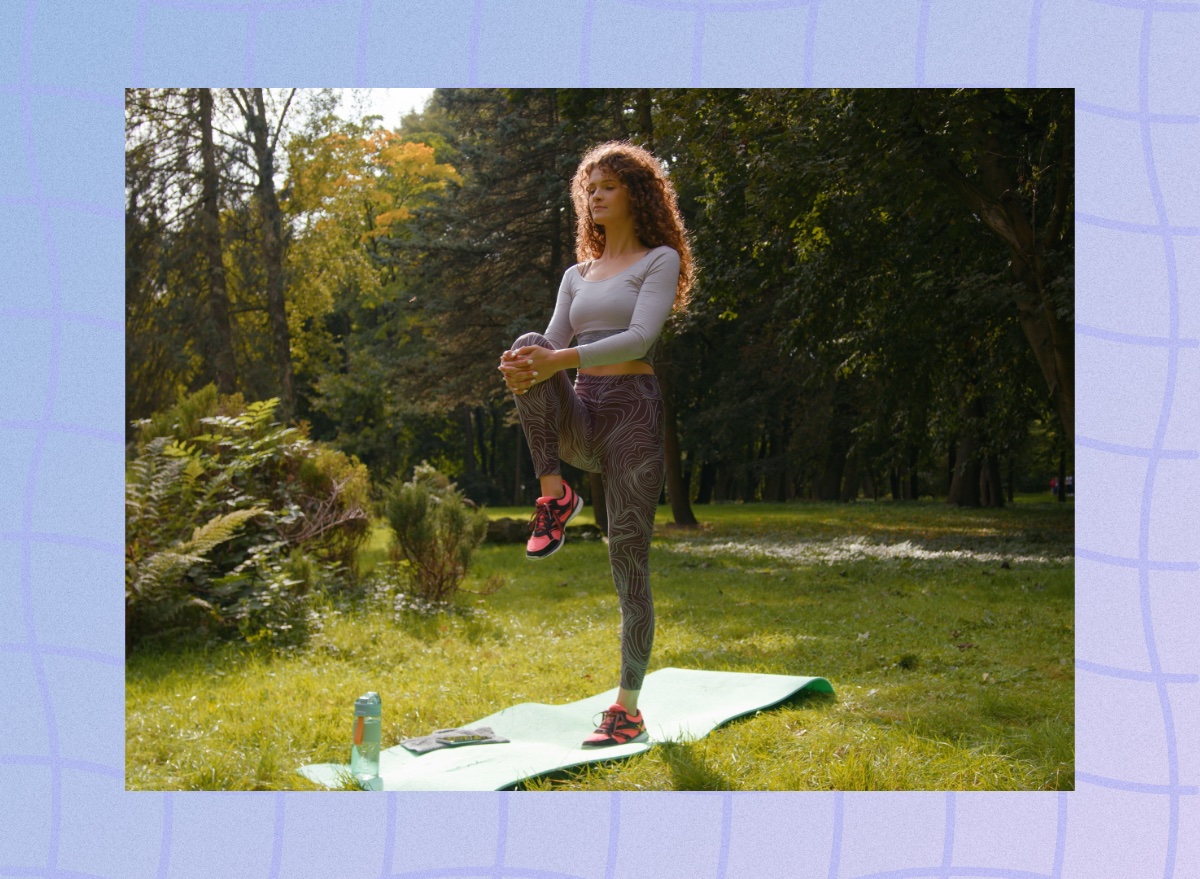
(530, 339)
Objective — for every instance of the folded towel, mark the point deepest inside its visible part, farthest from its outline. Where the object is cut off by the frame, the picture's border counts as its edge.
(452, 738)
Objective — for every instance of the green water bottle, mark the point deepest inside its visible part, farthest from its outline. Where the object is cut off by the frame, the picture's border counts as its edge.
(364, 754)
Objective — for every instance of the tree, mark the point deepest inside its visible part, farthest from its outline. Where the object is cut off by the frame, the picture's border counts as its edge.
(193, 293)
(263, 142)
(179, 329)
(1007, 156)
(210, 213)
(826, 253)
(348, 190)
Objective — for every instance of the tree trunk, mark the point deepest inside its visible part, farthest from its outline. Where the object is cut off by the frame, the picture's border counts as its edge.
(210, 225)
(849, 490)
(914, 462)
(773, 477)
(477, 422)
(1053, 344)
(681, 507)
(493, 457)
(991, 199)
(869, 482)
(829, 482)
(985, 485)
(468, 437)
(272, 245)
(991, 489)
(964, 483)
(746, 478)
(785, 460)
(645, 120)
(967, 470)
(708, 479)
(723, 490)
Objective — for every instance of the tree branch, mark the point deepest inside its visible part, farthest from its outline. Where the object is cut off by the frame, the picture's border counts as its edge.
(991, 213)
(238, 99)
(234, 137)
(1063, 182)
(282, 114)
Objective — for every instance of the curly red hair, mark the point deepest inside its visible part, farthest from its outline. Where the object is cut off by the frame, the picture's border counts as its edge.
(652, 202)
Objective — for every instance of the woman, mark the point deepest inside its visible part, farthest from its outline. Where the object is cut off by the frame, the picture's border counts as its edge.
(634, 268)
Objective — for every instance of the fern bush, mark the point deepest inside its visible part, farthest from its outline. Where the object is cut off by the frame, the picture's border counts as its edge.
(435, 532)
(231, 519)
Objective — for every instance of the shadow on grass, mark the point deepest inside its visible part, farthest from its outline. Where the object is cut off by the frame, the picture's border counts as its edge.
(689, 769)
(570, 775)
(155, 662)
(813, 699)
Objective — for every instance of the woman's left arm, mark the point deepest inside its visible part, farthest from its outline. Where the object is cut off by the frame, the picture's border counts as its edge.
(655, 300)
(523, 367)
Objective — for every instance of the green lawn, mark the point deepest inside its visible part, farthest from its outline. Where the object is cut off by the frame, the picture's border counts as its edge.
(947, 634)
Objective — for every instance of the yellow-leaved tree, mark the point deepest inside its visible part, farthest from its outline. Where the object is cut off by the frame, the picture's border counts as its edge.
(347, 190)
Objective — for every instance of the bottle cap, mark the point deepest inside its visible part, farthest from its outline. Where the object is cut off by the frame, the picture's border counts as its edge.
(368, 705)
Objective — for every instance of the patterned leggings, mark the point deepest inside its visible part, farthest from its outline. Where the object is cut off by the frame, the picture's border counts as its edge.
(611, 424)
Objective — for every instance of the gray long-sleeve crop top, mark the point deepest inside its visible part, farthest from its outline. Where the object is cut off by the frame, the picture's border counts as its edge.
(619, 318)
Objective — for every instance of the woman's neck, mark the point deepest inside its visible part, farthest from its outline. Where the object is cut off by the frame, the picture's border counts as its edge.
(620, 242)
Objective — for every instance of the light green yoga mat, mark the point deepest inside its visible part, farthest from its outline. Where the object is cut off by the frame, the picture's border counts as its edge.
(679, 704)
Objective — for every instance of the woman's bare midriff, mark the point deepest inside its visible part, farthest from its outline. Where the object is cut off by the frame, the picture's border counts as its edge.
(629, 367)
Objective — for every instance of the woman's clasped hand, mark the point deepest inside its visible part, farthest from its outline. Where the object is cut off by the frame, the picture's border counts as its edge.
(524, 367)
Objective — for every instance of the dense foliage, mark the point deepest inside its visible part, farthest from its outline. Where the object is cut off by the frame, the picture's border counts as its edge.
(858, 324)
(884, 303)
(232, 519)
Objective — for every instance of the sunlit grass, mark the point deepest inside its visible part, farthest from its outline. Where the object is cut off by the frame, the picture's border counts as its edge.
(949, 673)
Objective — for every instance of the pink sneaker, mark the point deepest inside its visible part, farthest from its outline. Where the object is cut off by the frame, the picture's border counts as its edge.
(549, 523)
(617, 727)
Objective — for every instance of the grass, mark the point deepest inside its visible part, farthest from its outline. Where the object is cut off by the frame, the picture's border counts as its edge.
(952, 657)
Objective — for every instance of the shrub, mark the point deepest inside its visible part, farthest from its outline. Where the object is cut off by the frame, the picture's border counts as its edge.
(231, 519)
(335, 494)
(161, 564)
(434, 530)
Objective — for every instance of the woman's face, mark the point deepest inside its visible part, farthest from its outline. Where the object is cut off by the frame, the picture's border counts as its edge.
(608, 198)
